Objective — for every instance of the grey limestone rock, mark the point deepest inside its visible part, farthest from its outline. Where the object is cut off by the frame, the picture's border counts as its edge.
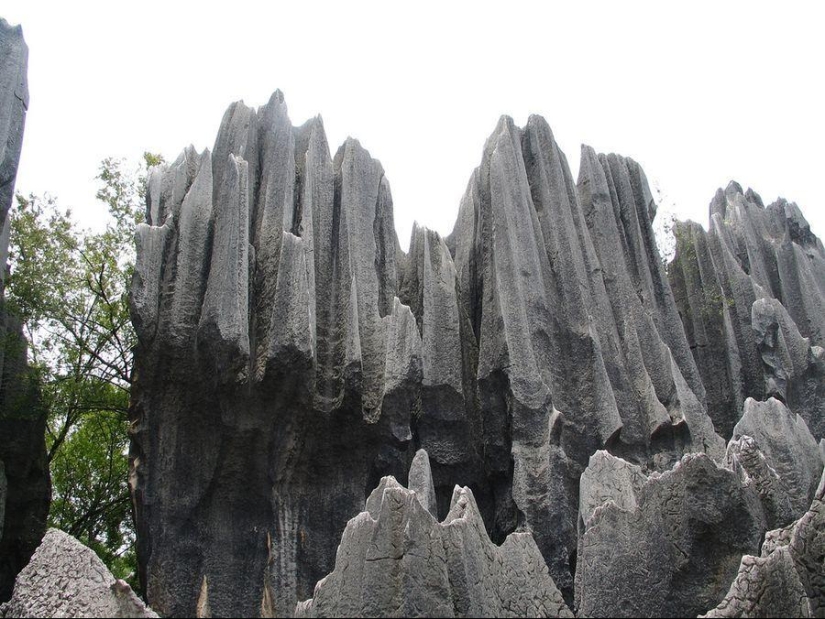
(278, 373)
(421, 482)
(665, 548)
(765, 587)
(788, 578)
(751, 294)
(744, 456)
(291, 355)
(397, 560)
(27, 489)
(789, 449)
(67, 579)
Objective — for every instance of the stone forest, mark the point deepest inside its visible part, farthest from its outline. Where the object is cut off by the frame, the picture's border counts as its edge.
(534, 416)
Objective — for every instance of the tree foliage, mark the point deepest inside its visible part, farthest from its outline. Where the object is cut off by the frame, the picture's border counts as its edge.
(70, 288)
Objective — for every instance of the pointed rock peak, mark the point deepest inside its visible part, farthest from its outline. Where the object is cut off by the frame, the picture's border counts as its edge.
(202, 609)
(754, 197)
(541, 127)
(504, 127)
(376, 497)
(608, 478)
(463, 506)
(4, 25)
(351, 151)
(276, 108)
(190, 152)
(590, 168)
(732, 190)
(421, 482)
(718, 205)
(277, 97)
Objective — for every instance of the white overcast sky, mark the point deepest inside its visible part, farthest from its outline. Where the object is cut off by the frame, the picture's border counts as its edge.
(698, 95)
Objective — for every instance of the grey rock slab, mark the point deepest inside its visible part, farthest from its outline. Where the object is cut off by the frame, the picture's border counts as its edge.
(743, 454)
(788, 446)
(14, 102)
(67, 579)
(676, 551)
(788, 579)
(396, 560)
(224, 318)
(765, 587)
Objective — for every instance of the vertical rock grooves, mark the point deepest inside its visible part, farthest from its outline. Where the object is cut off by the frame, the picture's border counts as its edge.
(751, 293)
(25, 488)
(291, 356)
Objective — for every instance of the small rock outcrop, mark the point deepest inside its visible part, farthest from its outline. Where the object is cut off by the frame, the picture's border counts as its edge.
(67, 579)
(789, 449)
(788, 579)
(663, 546)
(397, 560)
(25, 488)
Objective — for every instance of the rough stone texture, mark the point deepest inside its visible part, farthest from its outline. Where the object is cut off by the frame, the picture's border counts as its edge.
(67, 579)
(291, 356)
(27, 487)
(276, 373)
(669, 548)
(788, 579)
(397, 560)
(580, 346)
(768, 587)
(745, 458)
(751, 293)
(789, 449)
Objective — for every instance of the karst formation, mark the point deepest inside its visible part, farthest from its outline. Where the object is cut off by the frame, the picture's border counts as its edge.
(25, 487)
(534, 416)
(291, 356)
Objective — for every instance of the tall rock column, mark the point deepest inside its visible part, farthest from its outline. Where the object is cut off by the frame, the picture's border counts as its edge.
(25, 487)
(276, 372)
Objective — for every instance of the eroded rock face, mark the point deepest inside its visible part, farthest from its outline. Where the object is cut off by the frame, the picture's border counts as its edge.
(290, 355)
(397, 560)
(751, 293)
(67, 579)
(788, 579)
(665, 547)
(276, 373)
(789, 449)
(25, 487)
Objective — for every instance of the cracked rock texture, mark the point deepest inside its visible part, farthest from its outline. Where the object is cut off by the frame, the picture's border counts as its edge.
(397, 560)
(788, 579)
(67, 579)
(25, 488)
(789, 449)
(291, 356)
(751, 293)
(665, 546)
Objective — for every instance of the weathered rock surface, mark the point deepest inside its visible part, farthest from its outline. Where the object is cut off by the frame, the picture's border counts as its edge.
(25, 488)
(397, 560)
(291, 356)
(668, 547)
(788, 579)
(67, 579)
(277, 373)
(789, 449)
(751, 293)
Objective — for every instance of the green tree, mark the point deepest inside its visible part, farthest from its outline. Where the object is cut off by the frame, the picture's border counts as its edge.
(70, 288)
